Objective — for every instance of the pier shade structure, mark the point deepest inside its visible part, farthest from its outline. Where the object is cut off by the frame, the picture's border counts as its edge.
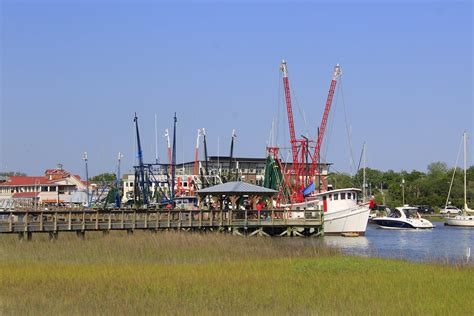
(234, 207)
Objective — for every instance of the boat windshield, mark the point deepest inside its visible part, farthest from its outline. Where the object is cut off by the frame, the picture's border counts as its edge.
(394, 213)
(410, 212)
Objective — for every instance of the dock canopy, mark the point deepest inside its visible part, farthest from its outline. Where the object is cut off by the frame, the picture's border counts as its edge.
(237, 188)
(233, 193)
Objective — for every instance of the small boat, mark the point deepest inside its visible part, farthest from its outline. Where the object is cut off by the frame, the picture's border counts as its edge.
(465, 217)
(405, 217)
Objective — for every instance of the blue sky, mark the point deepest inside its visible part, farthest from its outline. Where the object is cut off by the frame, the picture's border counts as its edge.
(72, 76)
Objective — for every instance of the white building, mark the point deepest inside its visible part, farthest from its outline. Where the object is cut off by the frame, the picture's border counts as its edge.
(55, 186)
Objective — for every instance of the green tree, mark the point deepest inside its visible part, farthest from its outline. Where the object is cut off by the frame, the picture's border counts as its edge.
(340, 180)
(105, 177)
(437, 168)
(12, 173)
(421, 188)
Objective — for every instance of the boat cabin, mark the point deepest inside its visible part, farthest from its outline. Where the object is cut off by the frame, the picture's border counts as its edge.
(332, 201)
(339, 199)
(405, 211)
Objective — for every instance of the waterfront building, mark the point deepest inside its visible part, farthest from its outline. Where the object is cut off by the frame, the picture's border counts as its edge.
(54, 187)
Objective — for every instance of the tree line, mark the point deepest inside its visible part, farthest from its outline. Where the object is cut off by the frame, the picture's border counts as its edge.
(420, 188)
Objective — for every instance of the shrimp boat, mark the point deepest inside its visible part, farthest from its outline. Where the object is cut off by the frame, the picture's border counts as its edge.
(465, 218)
(344, 214)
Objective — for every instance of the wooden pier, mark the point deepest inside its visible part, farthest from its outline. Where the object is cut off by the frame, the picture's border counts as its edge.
(238, 222)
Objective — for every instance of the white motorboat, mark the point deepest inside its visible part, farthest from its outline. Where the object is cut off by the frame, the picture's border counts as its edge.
(405, 217)
(465, 218)
(343, 213)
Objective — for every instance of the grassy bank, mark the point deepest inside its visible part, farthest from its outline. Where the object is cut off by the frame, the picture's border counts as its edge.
(192, 273)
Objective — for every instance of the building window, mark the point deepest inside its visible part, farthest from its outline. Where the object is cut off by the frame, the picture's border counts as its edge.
(336, 196)
(343, 196)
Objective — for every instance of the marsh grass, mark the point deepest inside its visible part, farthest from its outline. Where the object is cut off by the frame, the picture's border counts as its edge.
(184, 273)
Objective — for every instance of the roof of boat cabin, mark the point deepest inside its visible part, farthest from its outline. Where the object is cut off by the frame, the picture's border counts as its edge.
(339, 190)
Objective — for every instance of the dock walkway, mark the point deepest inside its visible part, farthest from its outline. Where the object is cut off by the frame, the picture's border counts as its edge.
(238, 222)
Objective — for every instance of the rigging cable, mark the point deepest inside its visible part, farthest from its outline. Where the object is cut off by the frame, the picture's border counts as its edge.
(300, 110)
(348, 128)
(278, 108)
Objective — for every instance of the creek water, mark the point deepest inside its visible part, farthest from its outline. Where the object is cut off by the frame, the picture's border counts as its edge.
(442, 244)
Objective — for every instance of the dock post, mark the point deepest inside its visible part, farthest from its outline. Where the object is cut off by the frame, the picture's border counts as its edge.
(29, 236)
(134, 220)
(83, 221)
(109, 226)
(41, 221)
(81, 234)
(25, 222)
(246, 218)
(10, 222)
(157, 223)
(53, 236)
(55, 222)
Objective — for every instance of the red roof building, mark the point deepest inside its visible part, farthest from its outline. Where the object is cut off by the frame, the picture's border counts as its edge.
(55, 186)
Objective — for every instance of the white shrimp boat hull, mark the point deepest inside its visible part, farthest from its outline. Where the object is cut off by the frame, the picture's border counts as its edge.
(353, 220)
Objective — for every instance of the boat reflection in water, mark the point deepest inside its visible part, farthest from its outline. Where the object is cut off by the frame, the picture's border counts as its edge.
(356, 246)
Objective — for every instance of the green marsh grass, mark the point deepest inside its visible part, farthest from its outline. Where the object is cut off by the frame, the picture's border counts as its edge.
(190, 273)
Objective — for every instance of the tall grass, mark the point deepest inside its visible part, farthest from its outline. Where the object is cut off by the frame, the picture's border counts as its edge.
(182, 273)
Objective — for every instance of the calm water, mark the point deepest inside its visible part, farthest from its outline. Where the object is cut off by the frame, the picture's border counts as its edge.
(442, 243)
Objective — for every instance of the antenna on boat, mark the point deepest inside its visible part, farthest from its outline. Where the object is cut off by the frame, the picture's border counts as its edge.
(156, 141)
(465, 171)
(364, 180)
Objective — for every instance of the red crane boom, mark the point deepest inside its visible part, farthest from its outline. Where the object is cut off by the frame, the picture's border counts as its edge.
(337, 73)
(289, 110)
(296, 166)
